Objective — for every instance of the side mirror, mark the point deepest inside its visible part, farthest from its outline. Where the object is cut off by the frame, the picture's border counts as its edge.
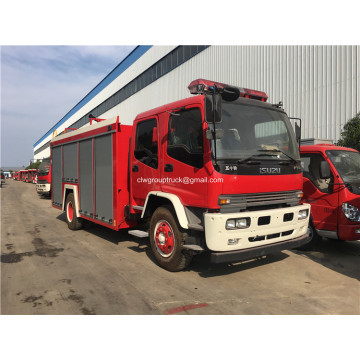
(219, 133)
(325, 172)
(210, 105)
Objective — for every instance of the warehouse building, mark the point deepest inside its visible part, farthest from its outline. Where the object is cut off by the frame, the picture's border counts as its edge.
(320, 84)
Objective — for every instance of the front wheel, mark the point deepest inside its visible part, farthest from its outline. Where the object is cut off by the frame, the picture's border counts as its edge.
(167, 239)
(313, 236)
(74, 222)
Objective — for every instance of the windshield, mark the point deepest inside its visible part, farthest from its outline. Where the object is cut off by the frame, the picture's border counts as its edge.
(347, 164)
(255, 132)
(44, 167)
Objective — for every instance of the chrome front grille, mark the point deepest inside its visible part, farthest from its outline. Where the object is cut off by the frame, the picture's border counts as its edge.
(260, 200)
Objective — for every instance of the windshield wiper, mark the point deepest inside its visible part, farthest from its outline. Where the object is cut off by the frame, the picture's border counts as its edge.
(252, 157)
(276, 149)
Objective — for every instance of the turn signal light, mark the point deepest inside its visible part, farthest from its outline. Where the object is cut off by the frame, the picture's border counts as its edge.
(224, 201)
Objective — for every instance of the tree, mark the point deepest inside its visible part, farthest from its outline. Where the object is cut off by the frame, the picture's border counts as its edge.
(34, 165)
(350, 136)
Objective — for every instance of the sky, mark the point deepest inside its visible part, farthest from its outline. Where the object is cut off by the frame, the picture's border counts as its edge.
(40, 85)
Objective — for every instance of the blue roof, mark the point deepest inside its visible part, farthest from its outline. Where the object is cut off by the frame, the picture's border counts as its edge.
(125, 64)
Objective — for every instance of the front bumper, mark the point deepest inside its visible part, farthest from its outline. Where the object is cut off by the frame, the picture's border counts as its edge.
(43, 188)
(246, 254)
(276, 230)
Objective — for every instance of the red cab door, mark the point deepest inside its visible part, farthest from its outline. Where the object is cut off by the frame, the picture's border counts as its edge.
(145, 162)
(183, 153)
(319, 193)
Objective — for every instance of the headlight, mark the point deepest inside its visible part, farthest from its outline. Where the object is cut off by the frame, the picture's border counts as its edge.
(351, 212)
(242, 223)
(303, 214)
(230, 224)
(239, 223)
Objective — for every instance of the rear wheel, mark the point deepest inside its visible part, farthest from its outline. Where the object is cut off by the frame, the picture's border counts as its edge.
(167, 239)
(74, 222)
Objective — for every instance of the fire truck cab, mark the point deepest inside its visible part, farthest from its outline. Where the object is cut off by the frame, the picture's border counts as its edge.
(43, 185)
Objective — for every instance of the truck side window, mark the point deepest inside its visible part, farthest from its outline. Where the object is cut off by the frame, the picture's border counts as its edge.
(185, 137)
(311, 170)
(146, 144)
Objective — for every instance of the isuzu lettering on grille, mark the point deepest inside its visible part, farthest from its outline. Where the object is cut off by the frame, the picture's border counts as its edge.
(268, 170)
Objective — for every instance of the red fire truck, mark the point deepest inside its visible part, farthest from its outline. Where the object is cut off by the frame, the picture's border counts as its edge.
(43, 186)
(31, 175)
(217, 172)
(332, 187)
(2, 178)
(23, 175)
(34, 175)
(16, 175)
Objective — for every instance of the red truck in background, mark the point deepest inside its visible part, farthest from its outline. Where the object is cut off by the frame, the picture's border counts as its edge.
(2, 178)
(23, 175)
(217, 172)
(43, 185)
(332, 188)
(31, 176)
(34, 176)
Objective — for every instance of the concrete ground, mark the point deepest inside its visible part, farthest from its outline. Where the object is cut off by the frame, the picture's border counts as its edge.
(48, 269)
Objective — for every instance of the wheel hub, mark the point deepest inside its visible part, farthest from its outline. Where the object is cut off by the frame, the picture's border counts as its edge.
(164, 238)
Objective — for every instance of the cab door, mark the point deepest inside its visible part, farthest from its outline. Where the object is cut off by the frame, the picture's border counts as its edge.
(183, 153)
(145, 161)
(319, 193)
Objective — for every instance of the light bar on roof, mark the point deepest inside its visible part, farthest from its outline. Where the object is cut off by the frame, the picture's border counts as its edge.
(202, 86)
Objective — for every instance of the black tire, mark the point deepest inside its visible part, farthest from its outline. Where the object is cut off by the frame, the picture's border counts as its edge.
(74, 222)
(167, 239)
(314, 238)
